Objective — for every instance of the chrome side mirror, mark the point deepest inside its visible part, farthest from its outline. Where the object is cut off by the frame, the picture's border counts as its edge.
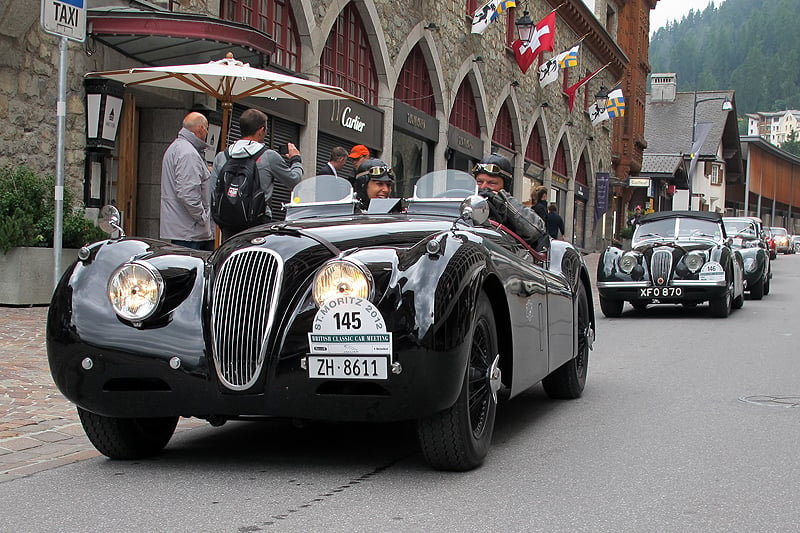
(475, 208)
(110, 220)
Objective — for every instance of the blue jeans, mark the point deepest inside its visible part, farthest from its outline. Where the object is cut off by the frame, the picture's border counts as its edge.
(207, 246)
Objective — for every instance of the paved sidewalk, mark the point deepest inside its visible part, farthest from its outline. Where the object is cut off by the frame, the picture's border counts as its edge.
(39, 428)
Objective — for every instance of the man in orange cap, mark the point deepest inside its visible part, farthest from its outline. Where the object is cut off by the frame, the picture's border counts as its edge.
(358, 154)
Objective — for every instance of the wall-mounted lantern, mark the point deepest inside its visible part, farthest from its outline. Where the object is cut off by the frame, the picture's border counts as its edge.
(103, 108)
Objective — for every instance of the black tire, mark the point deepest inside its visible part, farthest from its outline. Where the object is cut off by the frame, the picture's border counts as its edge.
(568, 380)
(757, 290)
(611, 308)
(127, 438)
(738, 302)
(721, 307)
(458, 438)
(639, 306)
(766, 282)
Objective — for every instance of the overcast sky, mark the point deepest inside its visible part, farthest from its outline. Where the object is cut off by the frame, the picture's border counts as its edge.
(670, 10)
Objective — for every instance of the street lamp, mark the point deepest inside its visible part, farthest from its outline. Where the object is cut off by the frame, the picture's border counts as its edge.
(601, 98)
(726, 106)
(525, 26)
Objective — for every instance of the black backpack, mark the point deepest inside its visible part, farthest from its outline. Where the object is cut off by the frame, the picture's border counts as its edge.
(238, 200)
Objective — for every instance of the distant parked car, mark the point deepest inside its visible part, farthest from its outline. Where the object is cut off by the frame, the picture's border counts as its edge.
(794, 242)
(676, 257)
(745, 235)
(773, 253)
(781, 237)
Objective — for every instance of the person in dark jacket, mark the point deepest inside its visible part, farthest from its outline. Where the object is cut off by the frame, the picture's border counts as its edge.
(494, 177)
(335, 163)
(539, 201)
(555, 224)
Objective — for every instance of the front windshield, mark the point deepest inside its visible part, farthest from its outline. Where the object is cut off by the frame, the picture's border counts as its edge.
(319, 189)
(449, 183)
(741, 228)
(677, 229)
(778, 232)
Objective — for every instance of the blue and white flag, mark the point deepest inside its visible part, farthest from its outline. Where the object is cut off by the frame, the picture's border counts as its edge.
(615, 107)
(488, 12)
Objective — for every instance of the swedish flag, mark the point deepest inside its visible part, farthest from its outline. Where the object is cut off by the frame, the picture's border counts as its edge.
(616, 104)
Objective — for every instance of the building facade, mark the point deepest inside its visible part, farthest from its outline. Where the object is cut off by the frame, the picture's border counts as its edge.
(435, 95)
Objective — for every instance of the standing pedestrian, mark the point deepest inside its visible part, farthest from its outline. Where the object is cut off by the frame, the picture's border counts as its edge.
(539, 201)
(555, 223)
(186, 187)
(270, 166)
(358, 154)
(637, 214)
(335, 163)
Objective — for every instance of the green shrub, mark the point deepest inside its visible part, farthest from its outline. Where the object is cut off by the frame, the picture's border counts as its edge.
(626, 232)
(27, 212)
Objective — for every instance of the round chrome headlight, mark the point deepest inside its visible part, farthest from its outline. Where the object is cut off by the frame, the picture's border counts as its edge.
(750, 264)
(694, 261)
(628, 261)
(135, 290)
(341, 278)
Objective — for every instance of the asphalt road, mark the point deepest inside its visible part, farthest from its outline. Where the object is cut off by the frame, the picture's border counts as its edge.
(687, 423)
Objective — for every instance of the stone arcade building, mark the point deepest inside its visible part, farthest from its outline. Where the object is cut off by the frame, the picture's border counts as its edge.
(436, 96)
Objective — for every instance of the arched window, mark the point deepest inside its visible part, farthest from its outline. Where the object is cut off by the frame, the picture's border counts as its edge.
(274, 17)
(414, 84)
(560, 162)
(347, 58)
(580, 172)
(503, 131)
(464, 114)
(534, 151)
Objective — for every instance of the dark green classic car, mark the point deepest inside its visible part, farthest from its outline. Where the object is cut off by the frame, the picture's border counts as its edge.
(745, 233)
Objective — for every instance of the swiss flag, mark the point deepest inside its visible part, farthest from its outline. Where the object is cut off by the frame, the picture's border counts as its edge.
(542, 40)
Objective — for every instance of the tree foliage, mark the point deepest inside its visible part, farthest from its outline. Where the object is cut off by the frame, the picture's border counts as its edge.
(751, 46)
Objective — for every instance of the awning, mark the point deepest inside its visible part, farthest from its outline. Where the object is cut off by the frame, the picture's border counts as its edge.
(160, 38)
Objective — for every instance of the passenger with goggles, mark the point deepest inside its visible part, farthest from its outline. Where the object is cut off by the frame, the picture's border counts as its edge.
(373, 179)
(494, 177)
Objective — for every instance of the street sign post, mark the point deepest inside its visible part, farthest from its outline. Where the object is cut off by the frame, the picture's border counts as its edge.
(66, 18)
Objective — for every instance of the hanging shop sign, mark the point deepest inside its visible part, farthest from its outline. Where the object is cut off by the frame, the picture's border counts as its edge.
(413, 121)
(350, 120)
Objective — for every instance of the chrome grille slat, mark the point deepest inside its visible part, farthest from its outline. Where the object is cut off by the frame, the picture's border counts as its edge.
(242, 311)
(661, 266)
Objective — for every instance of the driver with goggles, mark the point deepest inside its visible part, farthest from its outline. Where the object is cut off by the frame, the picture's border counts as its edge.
(494, 177)
(373, 179)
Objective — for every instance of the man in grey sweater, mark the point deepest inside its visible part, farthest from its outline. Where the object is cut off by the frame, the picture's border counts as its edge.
(186, 189)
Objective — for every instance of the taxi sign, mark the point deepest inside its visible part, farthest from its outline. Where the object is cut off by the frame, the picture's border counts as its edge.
(66, 18)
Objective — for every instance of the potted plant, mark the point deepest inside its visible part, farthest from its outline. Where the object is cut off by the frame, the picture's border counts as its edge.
(27, 214)
(626, 234)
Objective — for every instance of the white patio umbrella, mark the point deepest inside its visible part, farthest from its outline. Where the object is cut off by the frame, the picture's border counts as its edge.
(227, 80)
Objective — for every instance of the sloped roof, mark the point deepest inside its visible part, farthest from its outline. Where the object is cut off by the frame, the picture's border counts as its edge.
(668, 130)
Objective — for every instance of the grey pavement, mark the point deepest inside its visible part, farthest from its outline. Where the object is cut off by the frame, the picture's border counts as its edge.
(39, 428)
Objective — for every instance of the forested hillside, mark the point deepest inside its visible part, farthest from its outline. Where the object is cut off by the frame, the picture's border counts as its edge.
(751, 46)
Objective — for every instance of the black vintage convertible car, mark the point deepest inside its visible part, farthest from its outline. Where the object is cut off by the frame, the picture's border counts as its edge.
(676, 257)
(418, 309)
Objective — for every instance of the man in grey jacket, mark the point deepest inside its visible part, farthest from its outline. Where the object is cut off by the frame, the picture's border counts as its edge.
(186, 187)
(272, 166)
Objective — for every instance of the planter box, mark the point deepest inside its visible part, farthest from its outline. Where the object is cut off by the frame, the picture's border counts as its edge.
(26, 274)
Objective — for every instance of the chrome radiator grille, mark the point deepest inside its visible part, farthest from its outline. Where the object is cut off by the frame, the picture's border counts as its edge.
(243, 308)
(661, 266)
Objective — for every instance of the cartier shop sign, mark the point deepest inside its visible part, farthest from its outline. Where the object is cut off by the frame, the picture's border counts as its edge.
(350, 120)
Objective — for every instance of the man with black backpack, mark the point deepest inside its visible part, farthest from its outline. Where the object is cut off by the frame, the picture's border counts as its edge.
(243, 176)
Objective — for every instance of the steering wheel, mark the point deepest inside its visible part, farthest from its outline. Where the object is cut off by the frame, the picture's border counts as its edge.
(454, 193)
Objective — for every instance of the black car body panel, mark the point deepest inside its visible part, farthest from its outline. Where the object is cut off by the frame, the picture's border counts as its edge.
(169, 364)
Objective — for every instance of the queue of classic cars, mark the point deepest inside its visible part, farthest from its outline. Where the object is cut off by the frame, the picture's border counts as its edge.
(676, 257)
(417, 309)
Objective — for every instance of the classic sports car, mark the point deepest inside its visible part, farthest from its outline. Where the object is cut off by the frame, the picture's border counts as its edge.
(417, 310)
(782, 241)
(677, 257)
(746, 237)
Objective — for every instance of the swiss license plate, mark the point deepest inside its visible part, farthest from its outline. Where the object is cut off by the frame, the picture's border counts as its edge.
(348, 367)
(661, 292)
